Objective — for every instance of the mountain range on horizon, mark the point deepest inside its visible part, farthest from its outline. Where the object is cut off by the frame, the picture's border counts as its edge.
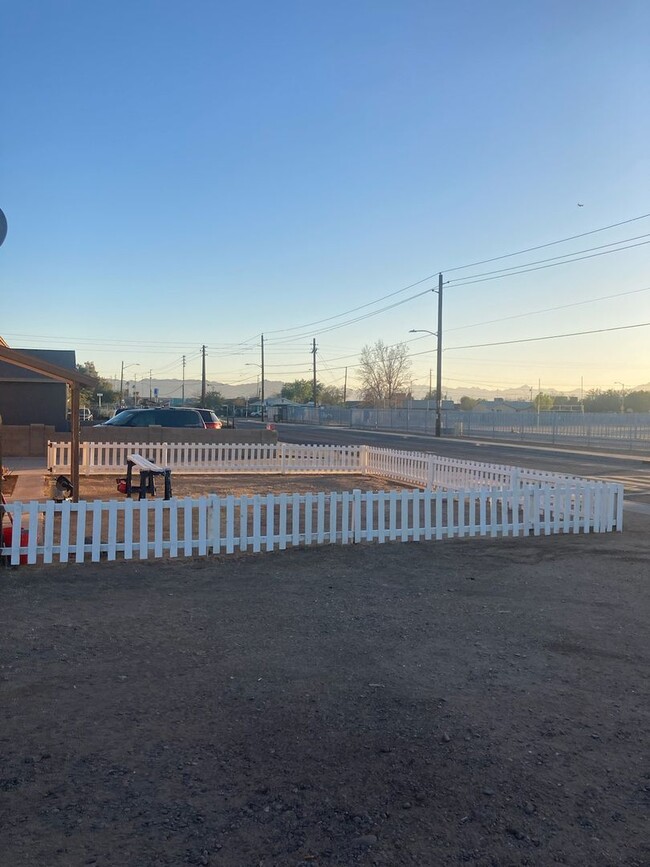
(168, 388)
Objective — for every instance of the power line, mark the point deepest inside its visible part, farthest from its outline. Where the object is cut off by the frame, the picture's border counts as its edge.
(355, 309)
(551, 309)
(461, 268)
(523, 269)
(352, 321)
(523, 340)
(549, 244)
(554, 258)
(300, 366)
(505, 318)
(226, 349)
(548, 337)
(551, 265)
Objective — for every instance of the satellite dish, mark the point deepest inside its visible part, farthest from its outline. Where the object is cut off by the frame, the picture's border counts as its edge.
(3, 227)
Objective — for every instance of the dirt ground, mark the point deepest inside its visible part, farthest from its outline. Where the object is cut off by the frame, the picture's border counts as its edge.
(105, 487)
(469, 701)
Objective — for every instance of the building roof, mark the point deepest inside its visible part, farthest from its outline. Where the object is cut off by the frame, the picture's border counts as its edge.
(41, 364)
(500, 403)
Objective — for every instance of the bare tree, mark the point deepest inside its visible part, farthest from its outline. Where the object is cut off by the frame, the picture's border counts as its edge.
(384, 372)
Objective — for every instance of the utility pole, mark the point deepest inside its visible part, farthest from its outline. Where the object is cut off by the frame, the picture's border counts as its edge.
(313, 352)
(262, 360)
(203, 375)
(150, 389)
(345, 386)
(183, 385)
(439, 363)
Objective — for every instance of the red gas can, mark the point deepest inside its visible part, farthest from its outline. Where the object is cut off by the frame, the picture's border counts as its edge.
(7, 538)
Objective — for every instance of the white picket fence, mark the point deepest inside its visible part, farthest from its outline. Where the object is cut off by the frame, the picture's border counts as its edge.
(459, 498)
(413, 468)
(101, 458)
(60, 532)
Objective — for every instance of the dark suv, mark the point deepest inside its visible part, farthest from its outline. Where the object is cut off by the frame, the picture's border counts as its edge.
(164, 416)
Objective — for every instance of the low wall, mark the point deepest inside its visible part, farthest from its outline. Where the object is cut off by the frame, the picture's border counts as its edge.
(156, 434)
(26, 440)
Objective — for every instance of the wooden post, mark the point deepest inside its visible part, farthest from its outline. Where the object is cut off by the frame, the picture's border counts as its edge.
(2, 512)
(74, 445)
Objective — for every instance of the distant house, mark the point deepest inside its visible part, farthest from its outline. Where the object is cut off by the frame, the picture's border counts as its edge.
(32, 398)
(501, 405)
(272, 407)
(430, 403)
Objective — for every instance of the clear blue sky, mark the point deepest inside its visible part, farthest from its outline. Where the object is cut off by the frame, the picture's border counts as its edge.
(183, 173)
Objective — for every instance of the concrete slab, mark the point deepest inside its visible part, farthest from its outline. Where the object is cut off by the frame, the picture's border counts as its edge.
(29, 484)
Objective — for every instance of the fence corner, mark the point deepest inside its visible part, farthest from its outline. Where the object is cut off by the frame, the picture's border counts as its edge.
(364, 459)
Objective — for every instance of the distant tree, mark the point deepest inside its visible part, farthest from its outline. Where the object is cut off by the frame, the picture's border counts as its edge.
(302, 391)
(331, 395)
(543, 401)
(603, 401)
(467, 403)
(563, 400)
(213, 400)
(299, 391)
(638, 401)
(384, 372)
(102, 386)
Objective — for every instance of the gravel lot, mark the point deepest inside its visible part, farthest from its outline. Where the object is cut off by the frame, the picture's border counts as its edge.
(470, 701)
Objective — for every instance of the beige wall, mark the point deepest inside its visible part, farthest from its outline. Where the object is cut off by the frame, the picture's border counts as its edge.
(30, 440)
(156, 434)
(26, 440)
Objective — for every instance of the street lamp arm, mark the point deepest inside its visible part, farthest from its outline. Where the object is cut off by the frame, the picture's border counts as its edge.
(423, 331)
(123, 368)
(438, 335)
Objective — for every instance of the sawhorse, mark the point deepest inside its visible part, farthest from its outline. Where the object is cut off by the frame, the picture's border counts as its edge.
(147, 472)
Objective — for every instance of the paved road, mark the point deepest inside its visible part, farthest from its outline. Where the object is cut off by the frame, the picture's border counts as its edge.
(631, 471)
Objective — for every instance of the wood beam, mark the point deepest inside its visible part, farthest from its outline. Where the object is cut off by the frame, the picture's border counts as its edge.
(53, 371)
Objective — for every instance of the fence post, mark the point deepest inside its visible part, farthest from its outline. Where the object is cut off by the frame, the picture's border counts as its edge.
(431, 469)
(514, 479)
(283, 462)
(363, 459)
(356, 516)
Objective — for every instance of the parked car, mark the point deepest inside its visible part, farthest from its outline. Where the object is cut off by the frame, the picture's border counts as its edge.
(210, 419)
(164, 416)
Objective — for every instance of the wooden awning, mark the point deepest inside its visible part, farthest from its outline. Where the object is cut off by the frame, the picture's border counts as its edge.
(73, 378)
(37, 365)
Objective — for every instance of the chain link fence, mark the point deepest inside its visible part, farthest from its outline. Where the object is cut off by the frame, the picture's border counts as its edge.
(625, 431)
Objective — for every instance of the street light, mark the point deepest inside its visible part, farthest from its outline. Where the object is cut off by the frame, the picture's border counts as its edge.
(261, 367)
(438, 335)
(622, 384)
(438, 378)
(125, 367)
